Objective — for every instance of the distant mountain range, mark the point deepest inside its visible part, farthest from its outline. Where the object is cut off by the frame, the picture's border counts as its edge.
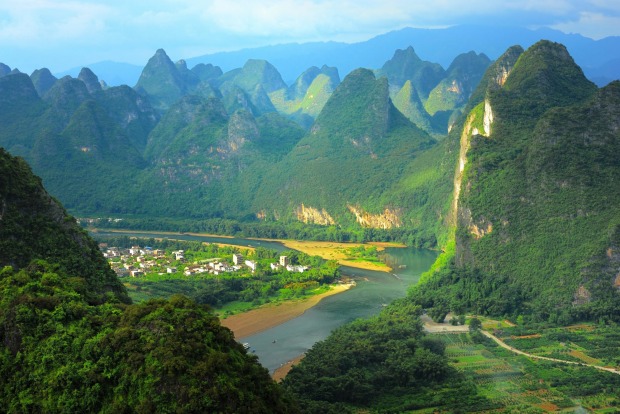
(600, 59)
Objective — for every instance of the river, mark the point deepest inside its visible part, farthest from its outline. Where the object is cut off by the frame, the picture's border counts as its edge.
(278, 345)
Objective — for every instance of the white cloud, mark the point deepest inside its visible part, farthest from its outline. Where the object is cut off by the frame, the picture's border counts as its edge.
(33, 21)
(594, 25)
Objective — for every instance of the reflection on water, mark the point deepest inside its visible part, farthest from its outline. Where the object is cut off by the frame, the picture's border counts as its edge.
(374, 290)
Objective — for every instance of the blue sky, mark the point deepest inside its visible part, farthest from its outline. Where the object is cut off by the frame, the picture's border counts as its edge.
(61, 34)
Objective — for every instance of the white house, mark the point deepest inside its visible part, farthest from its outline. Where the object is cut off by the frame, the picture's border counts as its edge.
(251, 264)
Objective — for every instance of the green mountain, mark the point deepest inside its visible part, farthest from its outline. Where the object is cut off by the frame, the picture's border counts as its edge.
(71, 342)
(64, 98)
(407, 101)
(249, 87)
(405, 66)
(255, 72)
(163, 81)
(130, 111)
(77, 140)
(34, 226)
(537, 229)
(301, 85)
(461, 79)
(359, 133)
(306, 97)
(20, 110)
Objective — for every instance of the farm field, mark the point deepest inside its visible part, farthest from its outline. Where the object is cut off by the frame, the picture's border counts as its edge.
(511, 383)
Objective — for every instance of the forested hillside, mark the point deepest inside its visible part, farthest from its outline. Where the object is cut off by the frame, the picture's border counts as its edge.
(71, 342)
(537, 223)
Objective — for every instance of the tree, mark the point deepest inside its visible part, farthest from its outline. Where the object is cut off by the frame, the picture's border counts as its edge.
(474, 324)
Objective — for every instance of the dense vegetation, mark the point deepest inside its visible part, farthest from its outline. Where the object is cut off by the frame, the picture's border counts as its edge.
(538, 227)
(61, 354)
(385, 363)
(70, 342)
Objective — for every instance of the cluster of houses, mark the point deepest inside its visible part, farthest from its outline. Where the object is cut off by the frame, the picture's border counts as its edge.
(137, 261)
(284, 264)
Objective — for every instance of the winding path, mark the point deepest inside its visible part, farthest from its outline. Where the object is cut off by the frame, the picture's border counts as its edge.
(519, 352)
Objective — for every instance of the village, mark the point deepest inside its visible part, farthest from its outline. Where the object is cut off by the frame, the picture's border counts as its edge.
(138, 261)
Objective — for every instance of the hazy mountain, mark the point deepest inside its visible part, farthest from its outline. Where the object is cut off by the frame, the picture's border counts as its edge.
(207, 72)
(112, 73)
(43, 80)
(4, 69)
(604, 73)
(90, 80)
(434, 45)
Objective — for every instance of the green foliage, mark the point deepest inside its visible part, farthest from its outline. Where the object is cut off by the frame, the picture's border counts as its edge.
(461, 79)
(544, 185)
(62, 354)
(382, 362)
(35, 226)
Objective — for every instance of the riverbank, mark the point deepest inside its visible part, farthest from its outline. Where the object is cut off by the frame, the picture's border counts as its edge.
(266, 317)
(279, 374)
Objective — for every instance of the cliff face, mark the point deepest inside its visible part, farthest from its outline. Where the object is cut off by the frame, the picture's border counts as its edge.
(390, 218)
(314, 216)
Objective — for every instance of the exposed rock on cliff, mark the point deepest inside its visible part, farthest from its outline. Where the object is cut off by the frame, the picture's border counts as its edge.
(314, 216)
(390, 218)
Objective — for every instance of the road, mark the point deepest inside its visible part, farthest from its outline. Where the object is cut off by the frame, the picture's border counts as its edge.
(519, 352)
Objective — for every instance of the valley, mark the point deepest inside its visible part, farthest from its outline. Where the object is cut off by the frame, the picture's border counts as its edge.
(482, 193)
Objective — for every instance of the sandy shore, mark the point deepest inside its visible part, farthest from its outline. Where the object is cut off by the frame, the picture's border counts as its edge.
(266, 317)
(281, 372)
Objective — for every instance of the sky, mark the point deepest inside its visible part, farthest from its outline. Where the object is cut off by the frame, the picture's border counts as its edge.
(63, 34)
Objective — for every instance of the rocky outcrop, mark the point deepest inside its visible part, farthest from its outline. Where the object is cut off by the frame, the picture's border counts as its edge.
(390, 218)
(487, 121)
(478, 231)
(582, 296)
(314, 216)
(241, 129)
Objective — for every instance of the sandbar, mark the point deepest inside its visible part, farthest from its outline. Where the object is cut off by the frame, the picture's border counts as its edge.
(266, 317)
(337, 251)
